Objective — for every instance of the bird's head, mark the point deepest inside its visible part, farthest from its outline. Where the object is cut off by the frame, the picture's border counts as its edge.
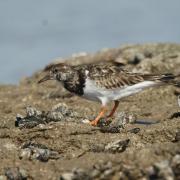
(60, 72)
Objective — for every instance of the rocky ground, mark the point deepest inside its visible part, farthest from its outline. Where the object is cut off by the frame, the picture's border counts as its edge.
(43, 134)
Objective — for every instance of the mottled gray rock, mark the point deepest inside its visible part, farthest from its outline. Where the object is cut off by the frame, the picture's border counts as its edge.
(111, 129)
(124, 118)
(34, 117)
(30, 111)
(40, 152)
(16, 173)
(117, 146)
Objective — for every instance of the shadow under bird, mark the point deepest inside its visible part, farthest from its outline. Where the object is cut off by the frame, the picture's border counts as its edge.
(105, 82)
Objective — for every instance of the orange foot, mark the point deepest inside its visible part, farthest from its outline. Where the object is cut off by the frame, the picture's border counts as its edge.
(93, 123)
(101, 114)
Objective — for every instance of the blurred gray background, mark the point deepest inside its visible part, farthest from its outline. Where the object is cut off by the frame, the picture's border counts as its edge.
(34, 32)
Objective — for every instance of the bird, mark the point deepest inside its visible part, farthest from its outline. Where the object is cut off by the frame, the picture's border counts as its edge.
(104, 82)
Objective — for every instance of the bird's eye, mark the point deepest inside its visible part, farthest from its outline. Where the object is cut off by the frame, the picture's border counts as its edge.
(55, 70)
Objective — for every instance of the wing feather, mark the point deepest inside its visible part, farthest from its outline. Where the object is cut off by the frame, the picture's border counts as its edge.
(112, 75)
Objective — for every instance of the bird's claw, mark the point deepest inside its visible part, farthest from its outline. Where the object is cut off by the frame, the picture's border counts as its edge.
(93, 123)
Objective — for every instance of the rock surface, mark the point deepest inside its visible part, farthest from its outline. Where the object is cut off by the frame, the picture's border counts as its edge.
(58, 145)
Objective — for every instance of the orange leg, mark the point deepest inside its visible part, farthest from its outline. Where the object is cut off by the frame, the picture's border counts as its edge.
(101, 114)
(116, 103)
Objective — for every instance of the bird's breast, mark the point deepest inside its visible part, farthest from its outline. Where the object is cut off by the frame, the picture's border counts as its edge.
(92, 91)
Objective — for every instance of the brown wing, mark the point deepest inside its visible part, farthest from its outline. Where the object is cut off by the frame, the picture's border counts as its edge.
(112, 75)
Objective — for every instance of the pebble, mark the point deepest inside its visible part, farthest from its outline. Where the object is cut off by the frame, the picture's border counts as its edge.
(179, 100)
(95, 173)
(86, 121)
(25, 154)
(177, 137)
(163, 170)
(175, 163)
(134, 130)
(76, 174)
(3, 177)
(67, 176)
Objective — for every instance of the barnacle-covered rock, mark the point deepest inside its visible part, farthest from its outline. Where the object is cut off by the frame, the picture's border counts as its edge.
(30, 150)
(34, 117)
(117, 146)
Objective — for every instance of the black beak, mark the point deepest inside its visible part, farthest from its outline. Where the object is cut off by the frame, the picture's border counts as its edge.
(45, 78)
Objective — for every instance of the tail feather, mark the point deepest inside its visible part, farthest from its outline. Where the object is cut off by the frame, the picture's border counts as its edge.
(177, 84)
(170, 79)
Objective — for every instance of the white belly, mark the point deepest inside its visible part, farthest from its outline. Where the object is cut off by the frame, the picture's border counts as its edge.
(94, 93)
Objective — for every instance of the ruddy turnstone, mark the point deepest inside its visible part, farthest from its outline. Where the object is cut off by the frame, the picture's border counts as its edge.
(104, 82)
